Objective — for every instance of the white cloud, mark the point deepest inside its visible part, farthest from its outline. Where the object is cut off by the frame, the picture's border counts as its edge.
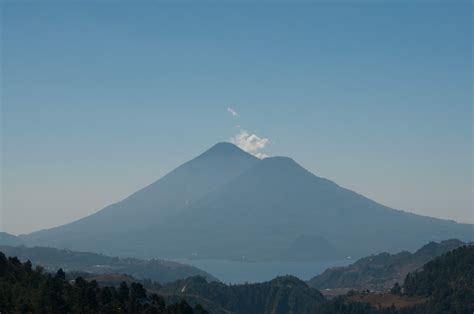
(261, 155)
(251, 143)
(232, 112)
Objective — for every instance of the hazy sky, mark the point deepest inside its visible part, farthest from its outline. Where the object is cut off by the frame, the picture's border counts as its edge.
(101, 99)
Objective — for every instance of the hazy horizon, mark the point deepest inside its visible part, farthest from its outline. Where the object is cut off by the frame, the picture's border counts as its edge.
(241, 146)
(100, 100)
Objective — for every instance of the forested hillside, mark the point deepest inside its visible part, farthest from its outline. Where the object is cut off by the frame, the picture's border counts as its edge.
(444, 285)
(24, 289)
(447, 281)
(286, 294)
(72, 261)
(380, 272)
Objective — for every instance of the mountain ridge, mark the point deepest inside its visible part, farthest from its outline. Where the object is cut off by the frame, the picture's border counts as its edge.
(159, 198)
(381, 271)
(283, 294)
(10, 239)
(53, 259)
(227, 204)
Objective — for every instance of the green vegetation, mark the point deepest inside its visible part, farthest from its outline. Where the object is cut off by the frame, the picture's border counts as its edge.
(396, 289)
(27, 290)
(73, 261)
(443, 285)
(448, 281)
(446, 284)
(380, 272)
(286, 294)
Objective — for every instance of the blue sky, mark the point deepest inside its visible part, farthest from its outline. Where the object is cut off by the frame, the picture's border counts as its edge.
(102, 98)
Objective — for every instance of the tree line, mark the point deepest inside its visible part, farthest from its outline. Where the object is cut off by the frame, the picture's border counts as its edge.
(24, 289)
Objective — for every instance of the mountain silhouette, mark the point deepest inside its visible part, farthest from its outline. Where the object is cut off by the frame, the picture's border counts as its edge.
(278, 209)
(227, 204)
(380, 272)
(9, 239)
(150, 205)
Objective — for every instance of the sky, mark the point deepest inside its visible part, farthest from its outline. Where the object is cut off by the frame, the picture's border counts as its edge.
(99, 99)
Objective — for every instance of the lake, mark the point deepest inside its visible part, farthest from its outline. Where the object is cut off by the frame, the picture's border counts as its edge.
(237, 272)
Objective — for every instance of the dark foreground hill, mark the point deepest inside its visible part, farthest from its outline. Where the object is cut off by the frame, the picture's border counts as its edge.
(281, 295)
(380, 272)
(447, 282)
(70, 261)
(226, 204)
(444, 285)
(27, 290)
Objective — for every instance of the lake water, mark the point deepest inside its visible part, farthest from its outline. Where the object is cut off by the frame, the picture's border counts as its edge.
(240, 272)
